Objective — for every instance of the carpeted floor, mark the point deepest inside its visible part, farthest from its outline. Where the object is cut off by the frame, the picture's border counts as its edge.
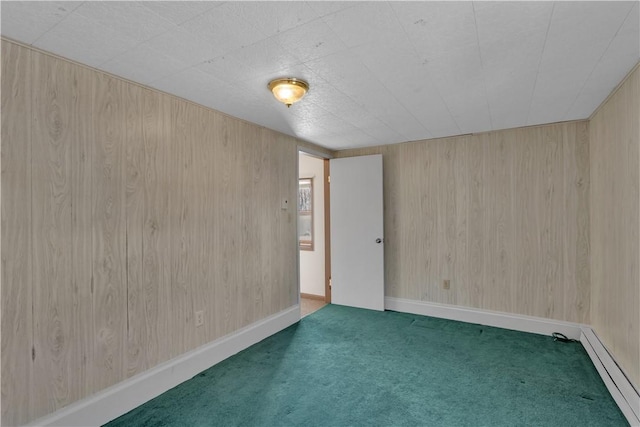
(344, 366)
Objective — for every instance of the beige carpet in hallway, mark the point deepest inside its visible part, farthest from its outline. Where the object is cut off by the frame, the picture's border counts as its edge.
(308, 306)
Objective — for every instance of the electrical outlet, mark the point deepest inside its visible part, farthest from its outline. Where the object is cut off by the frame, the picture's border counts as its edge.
(446, 284)
(199, 318)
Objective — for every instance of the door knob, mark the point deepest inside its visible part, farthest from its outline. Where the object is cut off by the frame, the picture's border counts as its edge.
(378, 240)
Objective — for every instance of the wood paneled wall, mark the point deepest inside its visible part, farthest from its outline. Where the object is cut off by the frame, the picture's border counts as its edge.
(16, 279)
(503, 215)
(124, 211)
(615, 224)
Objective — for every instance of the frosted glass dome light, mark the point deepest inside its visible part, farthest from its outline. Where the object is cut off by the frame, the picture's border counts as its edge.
(289, 90)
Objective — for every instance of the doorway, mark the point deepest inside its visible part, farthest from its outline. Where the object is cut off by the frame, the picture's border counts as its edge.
(313, 233)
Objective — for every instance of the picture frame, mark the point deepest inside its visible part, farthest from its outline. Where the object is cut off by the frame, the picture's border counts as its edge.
(305, 214)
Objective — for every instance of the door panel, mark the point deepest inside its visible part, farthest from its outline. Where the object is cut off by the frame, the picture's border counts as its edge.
(357, 245)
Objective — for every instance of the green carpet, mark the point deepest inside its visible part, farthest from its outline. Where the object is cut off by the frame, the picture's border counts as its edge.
(343, 366)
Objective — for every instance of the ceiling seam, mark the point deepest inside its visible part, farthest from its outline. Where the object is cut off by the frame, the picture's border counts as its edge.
(484, 80)
(415, 52)
(624, 21)
(57, 23)
(139, 43)
(354, 100)
(544, 46)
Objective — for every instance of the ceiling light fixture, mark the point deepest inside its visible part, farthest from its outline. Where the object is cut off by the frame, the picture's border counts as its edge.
(289, 90)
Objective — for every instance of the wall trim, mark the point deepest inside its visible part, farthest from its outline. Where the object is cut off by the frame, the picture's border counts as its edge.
(620, 387)
(308, 146)
(120, 398)
(614, 91)
(312, 296)
(313, 151)
(516, 322)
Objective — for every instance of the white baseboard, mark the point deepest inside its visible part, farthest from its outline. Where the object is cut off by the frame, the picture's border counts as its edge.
(622, 390)
(127, 395)
(618, 384)
(516, 322)
(120, 398)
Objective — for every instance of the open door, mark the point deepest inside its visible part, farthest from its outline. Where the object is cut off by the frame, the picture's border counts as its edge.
(357, 239)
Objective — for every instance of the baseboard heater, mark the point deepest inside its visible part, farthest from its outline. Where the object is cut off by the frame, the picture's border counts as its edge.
(624, 393)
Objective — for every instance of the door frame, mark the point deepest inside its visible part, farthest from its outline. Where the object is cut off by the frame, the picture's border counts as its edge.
(327, 220)
(327, 233)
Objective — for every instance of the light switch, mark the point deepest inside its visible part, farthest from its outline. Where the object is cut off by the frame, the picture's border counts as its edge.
(285, 204)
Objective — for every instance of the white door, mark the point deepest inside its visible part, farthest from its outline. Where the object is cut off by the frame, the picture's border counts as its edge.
(357, 239)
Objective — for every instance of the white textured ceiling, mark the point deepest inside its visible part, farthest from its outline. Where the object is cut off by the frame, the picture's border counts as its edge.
(380, 72)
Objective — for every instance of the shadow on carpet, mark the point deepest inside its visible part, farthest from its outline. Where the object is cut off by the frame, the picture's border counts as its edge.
(344, 366)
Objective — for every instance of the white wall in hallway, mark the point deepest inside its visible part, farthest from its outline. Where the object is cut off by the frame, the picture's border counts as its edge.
(312, 262)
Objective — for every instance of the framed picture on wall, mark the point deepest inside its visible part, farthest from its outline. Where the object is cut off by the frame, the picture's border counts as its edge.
(305, 214)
